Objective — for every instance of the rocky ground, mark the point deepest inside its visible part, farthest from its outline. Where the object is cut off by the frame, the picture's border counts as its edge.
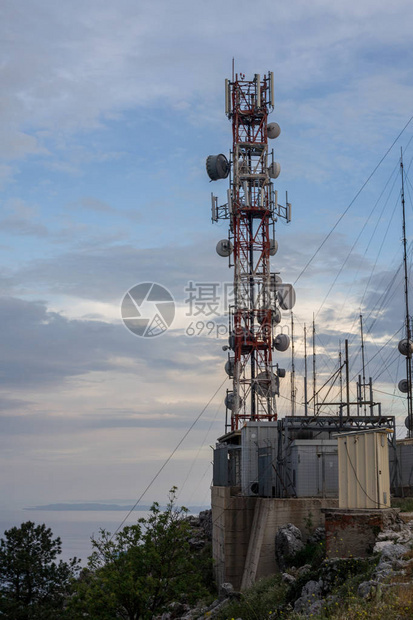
(311, 589)
(316, 594)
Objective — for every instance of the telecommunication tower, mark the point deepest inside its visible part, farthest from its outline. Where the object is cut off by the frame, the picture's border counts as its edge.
(252, 210)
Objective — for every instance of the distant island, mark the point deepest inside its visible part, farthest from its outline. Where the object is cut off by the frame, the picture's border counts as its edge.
(104, 507)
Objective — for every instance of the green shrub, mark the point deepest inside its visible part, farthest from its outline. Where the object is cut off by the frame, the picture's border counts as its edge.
(404, 503)
(311, 553)
(265, 597)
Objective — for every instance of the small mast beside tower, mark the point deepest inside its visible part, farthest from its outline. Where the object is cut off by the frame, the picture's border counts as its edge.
(406, 344)
(252, 210)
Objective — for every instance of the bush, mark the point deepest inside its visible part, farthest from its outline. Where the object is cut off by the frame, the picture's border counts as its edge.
(265, 597)
(404, 503)
(311, 553)
(137, 572)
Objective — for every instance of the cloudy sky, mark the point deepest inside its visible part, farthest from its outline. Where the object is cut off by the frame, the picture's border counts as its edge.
(108, 111)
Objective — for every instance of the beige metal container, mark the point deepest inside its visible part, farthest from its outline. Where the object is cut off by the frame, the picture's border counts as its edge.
(363, 469)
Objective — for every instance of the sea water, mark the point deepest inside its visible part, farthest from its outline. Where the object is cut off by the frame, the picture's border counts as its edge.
(74, 527)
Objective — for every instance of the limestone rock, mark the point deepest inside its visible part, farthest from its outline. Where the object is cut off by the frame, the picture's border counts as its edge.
(196, 543)
(205, 522)
(226, 589)
(318, 535)
(311, 588)
(288, 579)
(388, 535)
(303, 570)
(288, 541)
(393, 552)
(315, 608)
(383, 570)
(399, 564)
(399, 533)
(309, 594)
(380, 545)
(367, 589)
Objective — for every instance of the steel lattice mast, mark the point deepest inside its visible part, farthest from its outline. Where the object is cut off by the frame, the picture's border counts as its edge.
(252, 209)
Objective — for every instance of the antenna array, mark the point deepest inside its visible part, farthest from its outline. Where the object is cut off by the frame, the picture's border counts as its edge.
(252, 209)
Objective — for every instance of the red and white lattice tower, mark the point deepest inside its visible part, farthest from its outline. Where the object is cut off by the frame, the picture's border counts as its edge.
(252, 209)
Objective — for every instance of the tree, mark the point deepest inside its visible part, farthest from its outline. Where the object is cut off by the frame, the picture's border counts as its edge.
(134, 574)
(32, 585)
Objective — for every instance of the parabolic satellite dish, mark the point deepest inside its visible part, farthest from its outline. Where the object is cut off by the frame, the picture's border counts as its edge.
(266, 384)
(282, 342)
(404, 347)
(230, 367)
(274, 170)
(286, 296)
(230, 401)
(273, 130)
(217, 167)
(273, 247)
(403, 386)
(224, 247)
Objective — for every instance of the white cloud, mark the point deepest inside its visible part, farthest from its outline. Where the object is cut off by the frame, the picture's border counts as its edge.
(68, 68)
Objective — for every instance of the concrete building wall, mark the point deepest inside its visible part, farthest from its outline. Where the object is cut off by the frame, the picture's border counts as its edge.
(243, 553)
(304, 513)
(232, 518)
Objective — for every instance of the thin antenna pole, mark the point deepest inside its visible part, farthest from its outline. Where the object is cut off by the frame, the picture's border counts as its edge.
(407, 318)
(340, 412)
(314, 370)
(252, 297)
(341, 381)
(363, 364)
(292, 367)
(371, 395)
(347, 378)
(305, 372)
